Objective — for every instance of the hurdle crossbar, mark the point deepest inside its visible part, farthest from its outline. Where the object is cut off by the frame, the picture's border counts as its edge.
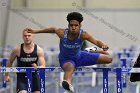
(52, 69)
(79, 69)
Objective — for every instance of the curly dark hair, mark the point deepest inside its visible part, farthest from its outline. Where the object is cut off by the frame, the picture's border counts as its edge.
(75, 16)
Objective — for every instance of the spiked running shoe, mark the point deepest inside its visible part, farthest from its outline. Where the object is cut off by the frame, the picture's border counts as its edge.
(67, 86)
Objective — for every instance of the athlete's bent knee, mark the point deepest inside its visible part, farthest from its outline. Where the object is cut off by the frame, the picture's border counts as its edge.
(109, 59)
(68, 67)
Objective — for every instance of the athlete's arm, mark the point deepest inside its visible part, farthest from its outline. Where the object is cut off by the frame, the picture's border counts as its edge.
(46, 30)
(100, 51)
(12, 56)
(41, 59)
(58, 31)
(11, 59)
(88, 37)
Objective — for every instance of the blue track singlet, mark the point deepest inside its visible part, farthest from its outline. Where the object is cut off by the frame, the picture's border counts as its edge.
(70, 51)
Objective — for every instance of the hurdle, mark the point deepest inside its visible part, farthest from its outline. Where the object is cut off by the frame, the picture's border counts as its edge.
(3, 61)
(125, 60)
(28, 71)
(42, 72)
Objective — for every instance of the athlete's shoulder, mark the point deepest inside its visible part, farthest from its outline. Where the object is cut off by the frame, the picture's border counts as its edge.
(39, 49)
(84, 35)
(17, 47)
(60, 32)
(84, 32)
(16, 50)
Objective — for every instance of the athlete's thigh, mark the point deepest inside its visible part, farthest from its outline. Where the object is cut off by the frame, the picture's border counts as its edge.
(87, 58)
(22, 91)
(35, 82)
(21, 84)
(64, 61)
(36, 92)
(104, 59)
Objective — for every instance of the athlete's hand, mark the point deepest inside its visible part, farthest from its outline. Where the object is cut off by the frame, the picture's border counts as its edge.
(6, 77)
(105, 47)
(34, 65)
(29, 30)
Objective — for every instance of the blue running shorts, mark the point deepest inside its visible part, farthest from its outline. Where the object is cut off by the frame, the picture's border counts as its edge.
(85, 59)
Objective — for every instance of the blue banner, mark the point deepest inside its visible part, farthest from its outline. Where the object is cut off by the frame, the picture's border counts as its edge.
(4, 61)
(105, 80)
(118, 80)
(42, 79)
(29, 79)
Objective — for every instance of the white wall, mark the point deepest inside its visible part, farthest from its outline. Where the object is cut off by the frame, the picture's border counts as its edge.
(94, 4)
(3, 19)
(95, 22)
(0, 25)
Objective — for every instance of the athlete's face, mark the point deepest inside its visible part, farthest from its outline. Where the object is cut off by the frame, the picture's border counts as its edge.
(27, 37)
(74, 26)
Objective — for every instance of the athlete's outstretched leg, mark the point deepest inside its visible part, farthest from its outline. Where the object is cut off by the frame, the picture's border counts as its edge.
(104, 58)
(68, 71)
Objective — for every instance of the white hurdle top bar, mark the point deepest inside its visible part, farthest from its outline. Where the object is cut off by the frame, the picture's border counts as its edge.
(49, 69)
(58, 69)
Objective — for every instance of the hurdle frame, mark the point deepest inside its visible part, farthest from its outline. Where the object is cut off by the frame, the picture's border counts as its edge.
(42, 72)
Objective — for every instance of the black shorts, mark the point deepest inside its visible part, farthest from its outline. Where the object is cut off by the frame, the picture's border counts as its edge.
(22, 82)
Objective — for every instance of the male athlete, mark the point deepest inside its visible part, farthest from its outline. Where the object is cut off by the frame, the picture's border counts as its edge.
(28, 54)
(71, 40)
